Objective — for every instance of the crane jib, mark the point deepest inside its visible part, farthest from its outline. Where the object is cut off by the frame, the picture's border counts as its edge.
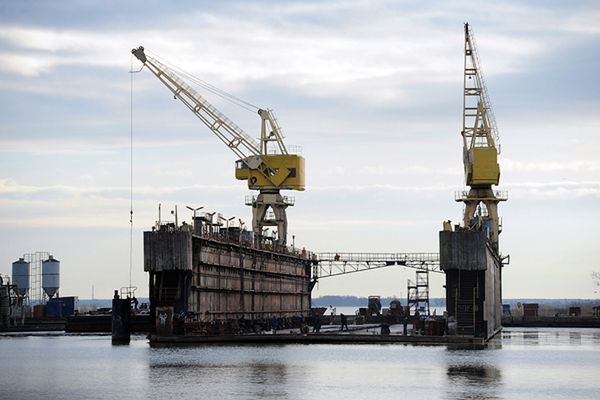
(265, 165)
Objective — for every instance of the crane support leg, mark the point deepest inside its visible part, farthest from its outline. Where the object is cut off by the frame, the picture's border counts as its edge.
(486, 196)
(268, 209)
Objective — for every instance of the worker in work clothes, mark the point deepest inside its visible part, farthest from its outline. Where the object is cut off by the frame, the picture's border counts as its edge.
(344, 322)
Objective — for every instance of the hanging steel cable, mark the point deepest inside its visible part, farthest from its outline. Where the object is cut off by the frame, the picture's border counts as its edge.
(208, 86)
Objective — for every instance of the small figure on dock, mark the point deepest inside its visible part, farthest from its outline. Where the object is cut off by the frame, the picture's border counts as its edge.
(317, 324)
(385, 329)
(135, 303)
(304, 329)
(344, 322)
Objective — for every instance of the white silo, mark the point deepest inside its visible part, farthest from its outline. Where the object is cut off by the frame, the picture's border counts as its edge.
(50, 276)
(20, 276)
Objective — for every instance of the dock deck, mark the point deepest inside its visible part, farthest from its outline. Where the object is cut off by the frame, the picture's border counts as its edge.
(328, 335)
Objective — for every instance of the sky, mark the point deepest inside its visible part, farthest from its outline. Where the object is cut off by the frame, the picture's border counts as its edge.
(371, 91)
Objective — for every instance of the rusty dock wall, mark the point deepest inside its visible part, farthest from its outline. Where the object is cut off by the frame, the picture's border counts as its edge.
(219, 277)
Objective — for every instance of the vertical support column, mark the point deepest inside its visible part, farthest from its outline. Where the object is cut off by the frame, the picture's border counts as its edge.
(121, 320)
(152, 300)
(489, 199)
(4, 305)
(242, 289)
(270, 199)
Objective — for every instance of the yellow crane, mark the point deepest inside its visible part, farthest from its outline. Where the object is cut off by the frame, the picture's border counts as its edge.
(267, 165)
(481, 146)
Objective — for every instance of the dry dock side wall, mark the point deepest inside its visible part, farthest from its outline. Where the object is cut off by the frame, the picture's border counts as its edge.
(473, 282)
(203, 278)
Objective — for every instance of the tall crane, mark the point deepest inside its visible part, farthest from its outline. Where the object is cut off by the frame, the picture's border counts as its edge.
(481, 146)
(267, 165)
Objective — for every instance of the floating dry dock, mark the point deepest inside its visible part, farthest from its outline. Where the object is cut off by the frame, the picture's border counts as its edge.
(357, 334)
(157, 340)
(215, 284)
(205, 272)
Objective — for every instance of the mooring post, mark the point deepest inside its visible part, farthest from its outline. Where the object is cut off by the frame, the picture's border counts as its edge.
(121, 319)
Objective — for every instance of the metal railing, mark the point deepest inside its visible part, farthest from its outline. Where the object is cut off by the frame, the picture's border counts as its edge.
(251, 199)
(462, 195)
(378, 257)
(334, 264)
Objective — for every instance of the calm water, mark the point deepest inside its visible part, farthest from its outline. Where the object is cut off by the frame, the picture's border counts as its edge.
(524, 364)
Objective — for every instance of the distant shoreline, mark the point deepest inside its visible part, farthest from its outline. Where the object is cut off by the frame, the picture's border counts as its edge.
(357, 301)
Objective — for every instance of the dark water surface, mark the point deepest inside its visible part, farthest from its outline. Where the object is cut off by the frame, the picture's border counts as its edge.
(522, 364)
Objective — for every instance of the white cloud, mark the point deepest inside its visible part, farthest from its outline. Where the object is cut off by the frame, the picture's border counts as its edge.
(562, 190)
(352, 58)
(586, 23)
(380, 187)
(510, 165)
(92, 146)
(344, 224)
(26, 64)
(9, 186)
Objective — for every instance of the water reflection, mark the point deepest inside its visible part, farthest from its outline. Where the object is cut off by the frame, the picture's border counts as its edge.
(575, 337)
(531, 337)
(199, 371)
(473, 381)
(268, 380)
(474, 374)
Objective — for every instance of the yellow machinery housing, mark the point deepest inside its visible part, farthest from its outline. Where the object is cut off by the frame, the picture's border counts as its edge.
(481, 166)
(277, 171)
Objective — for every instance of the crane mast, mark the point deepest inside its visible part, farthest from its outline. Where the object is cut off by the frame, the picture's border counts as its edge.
(481, 146)
(267, 168)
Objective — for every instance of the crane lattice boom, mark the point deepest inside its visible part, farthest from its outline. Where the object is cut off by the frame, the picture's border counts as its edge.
(480, 134)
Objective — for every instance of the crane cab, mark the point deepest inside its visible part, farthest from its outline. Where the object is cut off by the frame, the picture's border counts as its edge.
(278, 171)
(481, 166)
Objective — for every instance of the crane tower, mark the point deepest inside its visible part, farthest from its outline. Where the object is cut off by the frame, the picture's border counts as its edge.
(267, 165)
(481, 146)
